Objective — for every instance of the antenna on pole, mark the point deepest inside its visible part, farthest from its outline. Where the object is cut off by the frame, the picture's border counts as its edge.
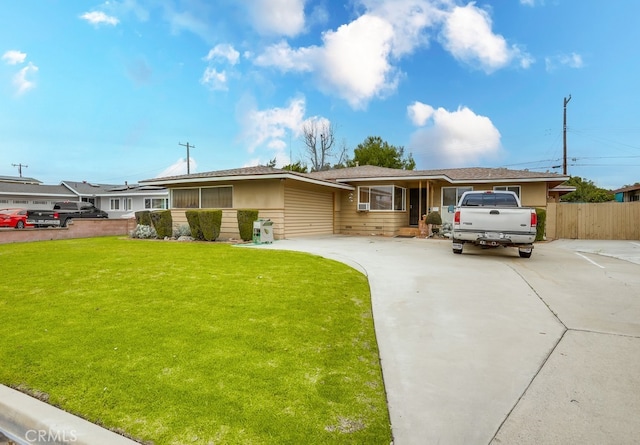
(20, 168)
(188, 158)
(564, 137)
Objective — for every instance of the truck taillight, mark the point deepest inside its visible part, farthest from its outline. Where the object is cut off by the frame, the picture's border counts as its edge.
(534, 218)
(456, 217)
(56, 215)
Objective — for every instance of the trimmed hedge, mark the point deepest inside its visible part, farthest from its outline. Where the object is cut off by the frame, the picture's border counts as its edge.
(163, 223)
(194, 224)
(246, 217)
(210, 222)
(143, 217)
(434, 218)
(542, 221)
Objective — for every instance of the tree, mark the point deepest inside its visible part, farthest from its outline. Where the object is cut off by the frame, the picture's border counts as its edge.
(271, 163)
(319, 136)
(375, 151)
(297, 167)
(586, 191)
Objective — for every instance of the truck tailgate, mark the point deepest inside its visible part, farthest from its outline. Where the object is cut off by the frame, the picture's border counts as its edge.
(496, 219)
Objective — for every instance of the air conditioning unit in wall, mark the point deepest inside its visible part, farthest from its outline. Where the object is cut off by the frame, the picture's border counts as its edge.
(363, 207)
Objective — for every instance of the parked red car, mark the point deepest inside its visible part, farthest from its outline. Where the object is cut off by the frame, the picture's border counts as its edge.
(14, 218)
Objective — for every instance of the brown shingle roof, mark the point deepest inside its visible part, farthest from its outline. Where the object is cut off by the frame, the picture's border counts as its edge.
(244, 171)
(455, 174)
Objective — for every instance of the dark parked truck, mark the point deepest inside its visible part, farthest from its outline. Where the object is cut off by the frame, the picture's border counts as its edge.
(494, 219)
(63, 212)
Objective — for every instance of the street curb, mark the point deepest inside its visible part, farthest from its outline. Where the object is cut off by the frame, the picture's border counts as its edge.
(27, 420)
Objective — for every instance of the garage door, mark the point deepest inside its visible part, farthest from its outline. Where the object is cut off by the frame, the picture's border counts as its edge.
(307, 212)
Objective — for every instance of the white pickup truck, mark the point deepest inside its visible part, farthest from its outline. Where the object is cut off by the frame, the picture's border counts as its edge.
(493, 219)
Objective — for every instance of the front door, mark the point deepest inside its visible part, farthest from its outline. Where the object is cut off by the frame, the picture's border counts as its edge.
(417, 204)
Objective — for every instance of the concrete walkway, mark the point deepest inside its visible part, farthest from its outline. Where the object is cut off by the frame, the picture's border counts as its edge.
(486, 347)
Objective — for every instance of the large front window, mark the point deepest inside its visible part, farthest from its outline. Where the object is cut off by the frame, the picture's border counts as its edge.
(186, 198)
(382, 197)
(217, 198)
(205, 198)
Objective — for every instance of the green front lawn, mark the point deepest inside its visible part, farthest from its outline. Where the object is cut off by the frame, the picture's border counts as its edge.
(174, 343)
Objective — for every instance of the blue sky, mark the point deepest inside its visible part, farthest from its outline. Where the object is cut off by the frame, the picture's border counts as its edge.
(105, 92)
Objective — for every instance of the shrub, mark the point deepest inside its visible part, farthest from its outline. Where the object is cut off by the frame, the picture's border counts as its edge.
(143, 217)
(162, 222)
(246, 217)
(434, 218)
(210, 222)
(181, 230)
(542, 221)
(143, 231)
(194, 224)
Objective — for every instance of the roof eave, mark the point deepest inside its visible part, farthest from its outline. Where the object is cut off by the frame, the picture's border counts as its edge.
(201, 179)
(453, 181)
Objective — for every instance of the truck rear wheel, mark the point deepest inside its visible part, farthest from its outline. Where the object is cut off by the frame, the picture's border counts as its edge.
(525, 253)
(457, 247)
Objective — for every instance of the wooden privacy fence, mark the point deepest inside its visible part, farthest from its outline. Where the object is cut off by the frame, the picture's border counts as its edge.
(607, 220)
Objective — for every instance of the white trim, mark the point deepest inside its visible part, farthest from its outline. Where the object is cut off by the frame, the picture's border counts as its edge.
(201, 179)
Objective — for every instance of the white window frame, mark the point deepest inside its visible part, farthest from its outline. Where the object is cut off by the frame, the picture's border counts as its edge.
(148, 203)
(393, 205)
(508, 188)
(114, 204)
(459, 192)
(128, 204)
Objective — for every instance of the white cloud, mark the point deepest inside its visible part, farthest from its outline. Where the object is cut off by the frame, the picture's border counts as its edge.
(99, 18)
(367, 39)
(468, 36)
(572, 60)
(285, 58)
(420, 113)
(270, 127)
(224, 52)
(452, 138)
(179, 168)
(279, 17)
(22, 79)
(14, 57)
(214, 79)
(410, 20)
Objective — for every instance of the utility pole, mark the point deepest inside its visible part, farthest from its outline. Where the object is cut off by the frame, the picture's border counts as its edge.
(188, 159)
(20, 168)
(564, 137)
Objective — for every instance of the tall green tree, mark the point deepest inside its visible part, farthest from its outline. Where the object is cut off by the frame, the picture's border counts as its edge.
(375, 151)
(586, 191)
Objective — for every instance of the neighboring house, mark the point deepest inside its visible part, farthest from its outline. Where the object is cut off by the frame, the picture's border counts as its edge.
(120, 200)
(363, 200)
(117, 200)
(628, 194)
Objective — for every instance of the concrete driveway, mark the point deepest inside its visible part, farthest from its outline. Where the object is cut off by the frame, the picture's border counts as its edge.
(489, 348)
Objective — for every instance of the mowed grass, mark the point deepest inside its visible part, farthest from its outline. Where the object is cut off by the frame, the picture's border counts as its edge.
(183, 343)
